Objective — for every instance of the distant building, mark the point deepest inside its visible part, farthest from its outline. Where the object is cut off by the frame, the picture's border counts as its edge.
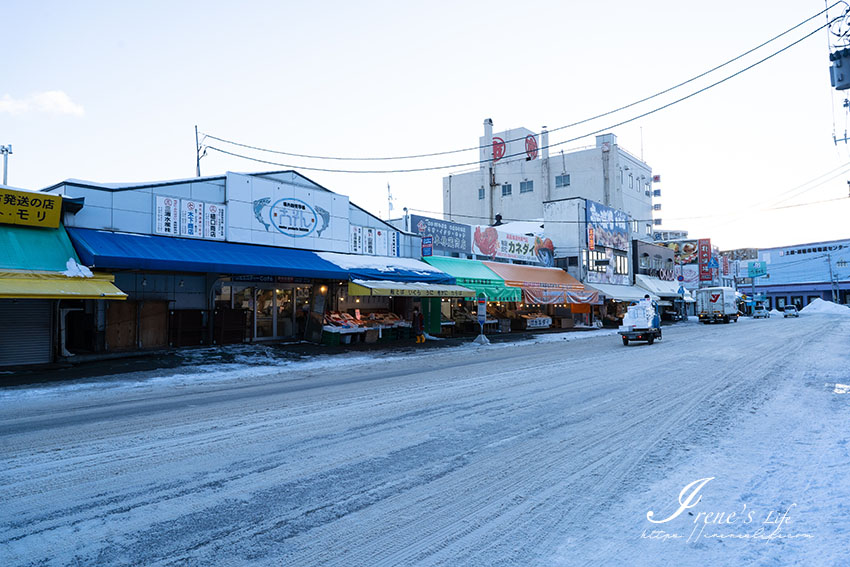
(798, 274)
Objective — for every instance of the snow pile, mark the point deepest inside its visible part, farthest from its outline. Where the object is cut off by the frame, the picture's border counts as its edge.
(775, 312)
(380, 263)
(75, 270)
(821, 306)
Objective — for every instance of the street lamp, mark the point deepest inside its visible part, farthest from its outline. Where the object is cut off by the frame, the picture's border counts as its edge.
(5, 150)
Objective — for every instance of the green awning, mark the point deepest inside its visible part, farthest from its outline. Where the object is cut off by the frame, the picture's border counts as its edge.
(35, 248)
(476, 276)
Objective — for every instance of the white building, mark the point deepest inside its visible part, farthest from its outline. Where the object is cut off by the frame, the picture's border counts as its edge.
(518, 175)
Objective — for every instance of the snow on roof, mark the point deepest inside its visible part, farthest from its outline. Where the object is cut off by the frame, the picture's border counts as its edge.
(380, 263)
(534, 227)
(821, 306)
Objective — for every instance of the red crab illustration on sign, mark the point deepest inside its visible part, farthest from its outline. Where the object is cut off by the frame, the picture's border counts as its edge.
(487, 241)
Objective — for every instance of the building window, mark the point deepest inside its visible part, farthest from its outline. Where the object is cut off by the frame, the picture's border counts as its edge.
(780, 303)
(621, 263)
(798, 301)
(526, 186)
(649, 227)
(506, 189)
(562, 180)
(634, 226)
(481, 192)
(656, 207)
(631, 181)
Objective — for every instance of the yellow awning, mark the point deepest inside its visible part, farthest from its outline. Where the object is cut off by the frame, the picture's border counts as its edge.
(56, 285)
(407, 289)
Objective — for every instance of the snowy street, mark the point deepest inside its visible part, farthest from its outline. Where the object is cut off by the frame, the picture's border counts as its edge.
(547, 452)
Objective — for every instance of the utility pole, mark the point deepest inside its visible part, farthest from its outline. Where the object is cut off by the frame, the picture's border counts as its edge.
(832, 284)
(198, 153)
(5, 150)
(389, 203)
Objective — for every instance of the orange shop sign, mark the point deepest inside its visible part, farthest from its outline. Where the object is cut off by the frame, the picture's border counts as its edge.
(28, 208)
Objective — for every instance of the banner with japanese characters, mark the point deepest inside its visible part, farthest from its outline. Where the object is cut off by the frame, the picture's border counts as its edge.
(215, 221)
(446, 236)
(489, 241)
(191, 218)
(704, 259)
(167, 216)
(29, 208)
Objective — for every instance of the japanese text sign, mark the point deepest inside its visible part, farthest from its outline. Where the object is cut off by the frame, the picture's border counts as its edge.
(28, 208)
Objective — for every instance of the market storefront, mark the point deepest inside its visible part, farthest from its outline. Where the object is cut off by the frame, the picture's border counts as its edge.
(617, 299)
(460, 315)
(550, 296)
(671, 303)
(42, 285)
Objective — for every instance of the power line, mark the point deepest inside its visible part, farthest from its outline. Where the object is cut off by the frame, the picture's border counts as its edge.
(583, 121)
(701, 217)
(479, 162)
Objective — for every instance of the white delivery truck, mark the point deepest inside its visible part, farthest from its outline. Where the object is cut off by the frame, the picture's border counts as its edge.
(715, 304)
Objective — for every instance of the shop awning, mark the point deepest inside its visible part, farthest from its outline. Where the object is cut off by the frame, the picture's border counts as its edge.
(544, 285)
(56, 285)
(40, 263)
(407, 289)
(477, 277)
(622, 292)
(389, 268)
(35, 248)
(119, 250)
(661, 288)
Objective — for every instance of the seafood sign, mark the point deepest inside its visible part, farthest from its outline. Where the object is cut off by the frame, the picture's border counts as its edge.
(610, 226)
(493, 243)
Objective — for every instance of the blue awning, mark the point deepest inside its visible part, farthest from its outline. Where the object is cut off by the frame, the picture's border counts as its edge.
(121, 250)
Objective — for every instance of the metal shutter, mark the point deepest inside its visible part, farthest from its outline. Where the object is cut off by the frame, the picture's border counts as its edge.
(25, 331)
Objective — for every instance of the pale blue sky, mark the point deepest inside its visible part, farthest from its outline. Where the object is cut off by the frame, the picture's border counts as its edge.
(390, 78)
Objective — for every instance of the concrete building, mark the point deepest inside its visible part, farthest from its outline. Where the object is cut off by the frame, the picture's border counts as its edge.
(518, 174)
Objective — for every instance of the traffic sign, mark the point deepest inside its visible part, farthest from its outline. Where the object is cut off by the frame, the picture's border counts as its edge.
(482, 309)
(756, 269)
(680, 278)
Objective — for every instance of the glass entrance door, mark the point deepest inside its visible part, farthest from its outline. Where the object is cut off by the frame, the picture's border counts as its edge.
(285, 313)
(265, 313)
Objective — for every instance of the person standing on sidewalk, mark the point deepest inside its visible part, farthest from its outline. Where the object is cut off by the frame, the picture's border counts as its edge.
(418, 325)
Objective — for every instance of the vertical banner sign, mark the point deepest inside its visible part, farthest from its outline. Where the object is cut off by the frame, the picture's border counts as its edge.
(167, 216)
(725, 269)
(380, 242)
(214, 221)
(427, 246)
(590, 242)
(704, 258)
(369, 241)
(191, 218)
(393, 244)
(482, 311)
(356, 242)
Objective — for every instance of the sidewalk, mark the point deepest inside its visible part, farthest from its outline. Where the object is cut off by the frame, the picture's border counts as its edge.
(158, 362)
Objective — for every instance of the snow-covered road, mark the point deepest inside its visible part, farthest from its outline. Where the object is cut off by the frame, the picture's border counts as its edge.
(546, 453)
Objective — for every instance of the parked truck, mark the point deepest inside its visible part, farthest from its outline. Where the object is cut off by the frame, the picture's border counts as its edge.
(717, 304)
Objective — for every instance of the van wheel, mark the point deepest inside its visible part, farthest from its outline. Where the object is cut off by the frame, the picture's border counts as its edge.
(650, 340)
(625, 341)
(725, 319)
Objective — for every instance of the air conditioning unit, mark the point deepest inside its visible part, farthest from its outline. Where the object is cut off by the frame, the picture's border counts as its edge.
(656, 222)
(656, 192)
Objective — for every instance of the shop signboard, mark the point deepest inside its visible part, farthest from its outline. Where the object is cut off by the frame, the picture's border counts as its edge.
(381, 242)
(29, 208)
(447, 236)
(686, 251)
(167, 216)
(610, 226)
(690, 275)
(725, 266)
(493, 243)
(392, 243)
(369, 241)
(704, 259)
(356, 240)
(427, 246)
(215, 219)
(591, 242)
(191, 218)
